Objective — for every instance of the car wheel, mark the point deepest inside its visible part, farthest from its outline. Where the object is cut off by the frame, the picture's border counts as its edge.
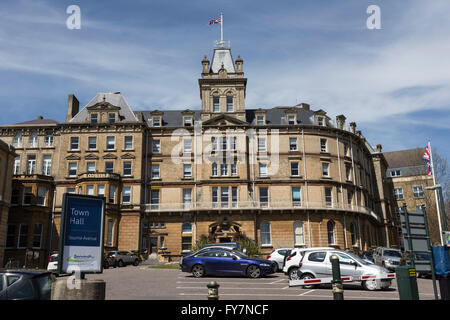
(120, 264)
(307, 276)
(136, 262)
(198, 271)
(253, 271)
(293, 275)
(370, 285)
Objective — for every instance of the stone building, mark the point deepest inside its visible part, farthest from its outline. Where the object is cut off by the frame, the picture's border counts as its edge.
(283, 176)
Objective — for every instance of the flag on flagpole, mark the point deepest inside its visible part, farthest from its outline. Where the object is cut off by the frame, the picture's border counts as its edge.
(214, 21)
(427, 158)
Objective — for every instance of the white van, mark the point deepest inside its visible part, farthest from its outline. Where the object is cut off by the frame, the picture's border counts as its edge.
(292, 262)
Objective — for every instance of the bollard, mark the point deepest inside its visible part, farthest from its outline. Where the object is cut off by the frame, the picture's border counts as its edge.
(213, 290)
(336, 284)
(62, 289)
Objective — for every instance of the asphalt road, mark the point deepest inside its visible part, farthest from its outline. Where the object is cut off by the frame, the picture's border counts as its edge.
(143, 283)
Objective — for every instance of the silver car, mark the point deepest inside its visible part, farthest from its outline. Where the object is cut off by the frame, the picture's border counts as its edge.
(123, 258)
(388, 258)
(317, 264)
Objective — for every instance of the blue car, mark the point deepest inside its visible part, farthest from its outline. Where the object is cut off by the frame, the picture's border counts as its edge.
(222, 262)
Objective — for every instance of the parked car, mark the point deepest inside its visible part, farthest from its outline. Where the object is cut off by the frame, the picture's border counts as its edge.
(367, 255)
(317, 264)
(292, 261)
(279, 256)
(53, 263)
(225, 262)
(388, 258)
(109, 260)
(122, 258)
(25, 284)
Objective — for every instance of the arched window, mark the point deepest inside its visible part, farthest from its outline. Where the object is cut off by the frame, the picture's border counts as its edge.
(299, 237)
(265, 233)
(186, 228)
(330, 230)
(353, 233)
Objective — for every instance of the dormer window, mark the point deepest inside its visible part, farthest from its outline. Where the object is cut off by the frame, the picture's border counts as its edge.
(260, 120)
(216, 104)
(94, 118)
(291, 119)
(230, 106)
(157, 121)
(320, 121)
(187, 121)
(111, 117)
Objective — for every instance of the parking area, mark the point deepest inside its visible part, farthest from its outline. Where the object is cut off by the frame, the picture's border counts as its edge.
(143, 283)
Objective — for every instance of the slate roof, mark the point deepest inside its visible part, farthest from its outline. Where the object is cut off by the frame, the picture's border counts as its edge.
(222, 55)
(405, 158)
(116, 99)
(38, 122)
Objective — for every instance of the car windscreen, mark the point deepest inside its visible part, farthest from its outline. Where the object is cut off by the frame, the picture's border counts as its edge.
(392, 253)
(239, 254)
(45, 286)
(358, 259)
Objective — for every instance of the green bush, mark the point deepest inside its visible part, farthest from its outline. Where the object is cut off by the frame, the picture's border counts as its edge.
(252, 248)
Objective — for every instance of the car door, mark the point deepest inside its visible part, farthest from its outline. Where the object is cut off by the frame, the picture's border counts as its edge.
(348, 266)
(318, 263)
(229, 263)
(19, 289)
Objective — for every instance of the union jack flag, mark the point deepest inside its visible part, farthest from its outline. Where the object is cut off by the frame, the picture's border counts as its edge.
(218, 20)
(427, 158)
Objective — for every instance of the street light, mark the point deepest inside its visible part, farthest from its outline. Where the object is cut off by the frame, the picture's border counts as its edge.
(441, 197)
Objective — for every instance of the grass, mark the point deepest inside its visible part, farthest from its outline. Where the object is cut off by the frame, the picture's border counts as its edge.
(165, 266)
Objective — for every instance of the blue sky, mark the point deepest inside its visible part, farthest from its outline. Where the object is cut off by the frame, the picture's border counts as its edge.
(394, 82)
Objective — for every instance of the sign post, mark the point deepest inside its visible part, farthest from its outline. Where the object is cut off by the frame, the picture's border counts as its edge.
(82, 233)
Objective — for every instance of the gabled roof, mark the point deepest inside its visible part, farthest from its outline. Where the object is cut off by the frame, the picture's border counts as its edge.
(115, 99)
(38, 122)
(405, 158)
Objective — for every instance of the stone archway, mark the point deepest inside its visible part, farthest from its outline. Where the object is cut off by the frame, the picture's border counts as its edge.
(225, 230)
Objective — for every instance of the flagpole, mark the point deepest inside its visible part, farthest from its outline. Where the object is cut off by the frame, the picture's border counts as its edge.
(221, 28)
(435, 193)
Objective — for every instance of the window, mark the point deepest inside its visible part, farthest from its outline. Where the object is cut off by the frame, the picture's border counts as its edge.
(224, 169)
(299, 237)
(154, 199)
(291, 119)
(187, 145)
(128, 142)
(46, 165)
(31, 164)
(92, 143)
(233, 169)
(233, 143)
(213, 143)
(109, 237)
(10, 235)
(234, 197)
(94, 118)
(112, 193)
(230, 107)
(27, 195)
(353, 233)
(109, 166)
(325, 171)
(90, 190)
(37, 235)
(111, 117)
(126, 195)
(90, 167)
(323, 145)
(33, 140)
(187, 198)
(264, 196)
(156, 146)
(17, 142)
(214, 169)
(398, 194)
(296, 197)
(162, 243)
(346, 149)
(396, 173)
(320, 121)
(15, 194)
(263, 169)
(42, 192)
(224, 197)
(348, 173)
(418, 192)
(155, 171)
(74, 143)
(216, 104)
(157, 121)
(223, 143)
(317, 256)
(101, 190)
(349, 197)
(293, 144)
(187, 121)
(48, 139)
(260, 120)
(110, 143)
(73, 169)
(186, 243)
(16, 165)
(328, 197)
(70, 190)
(23, 236)
(186, 227)
(261, 144)
(330, 232)
(294, 169)
(127, 168)
(214, 196)
(265, 234)
(187, 171)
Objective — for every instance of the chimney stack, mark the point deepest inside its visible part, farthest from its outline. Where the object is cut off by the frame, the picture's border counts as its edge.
(305, 106)
(340, 121)
(353, 126)
(205, 64)
(73, 107)
(379, 147)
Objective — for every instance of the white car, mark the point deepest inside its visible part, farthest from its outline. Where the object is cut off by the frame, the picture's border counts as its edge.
(279, 256)
(292, 262)
(53, 263)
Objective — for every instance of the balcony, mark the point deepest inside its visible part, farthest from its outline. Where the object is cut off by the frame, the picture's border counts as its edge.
(99, 175)
(257, 205)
